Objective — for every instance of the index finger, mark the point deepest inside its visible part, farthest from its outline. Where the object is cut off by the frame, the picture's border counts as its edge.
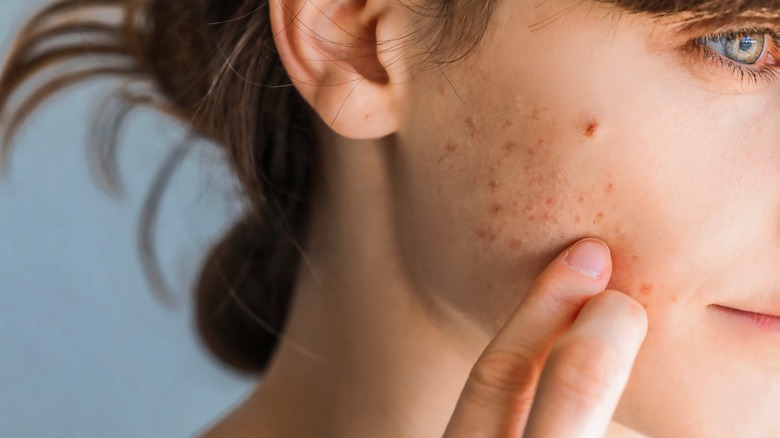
(499, 391)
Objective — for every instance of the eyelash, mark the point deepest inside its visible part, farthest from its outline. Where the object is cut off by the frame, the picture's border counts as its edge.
(745, 72)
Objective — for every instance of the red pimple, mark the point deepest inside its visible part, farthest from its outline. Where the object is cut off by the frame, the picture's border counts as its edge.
(591, 129)
(549, 201)
(493, 184)
(496, 208)
(645, 289)
(580, 198)
(610, 188)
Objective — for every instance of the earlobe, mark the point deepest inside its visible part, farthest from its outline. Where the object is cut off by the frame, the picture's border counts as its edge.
(329, 48)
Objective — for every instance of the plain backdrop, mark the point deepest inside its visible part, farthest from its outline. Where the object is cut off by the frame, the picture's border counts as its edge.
(86, 349)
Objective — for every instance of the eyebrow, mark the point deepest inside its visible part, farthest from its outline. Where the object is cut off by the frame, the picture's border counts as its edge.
(702, 8)
(704, 14)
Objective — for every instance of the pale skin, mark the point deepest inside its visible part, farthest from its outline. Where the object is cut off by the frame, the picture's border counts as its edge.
(447, 205)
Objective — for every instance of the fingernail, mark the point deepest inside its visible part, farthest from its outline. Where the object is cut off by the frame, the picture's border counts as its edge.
(589, 257)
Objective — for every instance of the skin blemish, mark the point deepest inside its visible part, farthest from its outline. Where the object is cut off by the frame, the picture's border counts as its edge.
(536, 114)
(646, 289)
(581, 199)
(591, 129)
(531, 152)
(485, 234)
(549, 201)
(599, 217)
(449, 149)
(493, 184)
(496, 208)
(635, 258)
(508, 123)
(509, 146)
(515, 244)
(610, 188)
(577, 218)
(470, 125)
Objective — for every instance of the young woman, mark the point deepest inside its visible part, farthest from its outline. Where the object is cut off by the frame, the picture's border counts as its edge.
(422, 176)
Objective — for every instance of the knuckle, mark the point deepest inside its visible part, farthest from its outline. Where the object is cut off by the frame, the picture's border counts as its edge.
(501, 377)
(584, 371)
(558, 294)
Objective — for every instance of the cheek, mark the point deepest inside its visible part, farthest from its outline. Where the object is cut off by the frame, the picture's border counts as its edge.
(531, 186)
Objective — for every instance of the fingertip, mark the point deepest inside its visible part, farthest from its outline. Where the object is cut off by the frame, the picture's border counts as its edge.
(617, 314)
(589, 256)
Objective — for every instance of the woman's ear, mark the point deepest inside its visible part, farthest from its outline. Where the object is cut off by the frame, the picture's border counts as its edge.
(330, 50)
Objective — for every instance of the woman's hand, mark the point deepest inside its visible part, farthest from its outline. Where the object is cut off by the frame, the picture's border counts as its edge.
(560, 364)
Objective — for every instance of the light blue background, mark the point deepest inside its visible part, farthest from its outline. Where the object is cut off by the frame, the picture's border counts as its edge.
(86, 350)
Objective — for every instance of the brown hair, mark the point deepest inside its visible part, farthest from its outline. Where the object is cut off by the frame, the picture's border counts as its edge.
(213, 65)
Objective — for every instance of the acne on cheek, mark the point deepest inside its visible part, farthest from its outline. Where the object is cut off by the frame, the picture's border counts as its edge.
(531, 202)
(626, 278)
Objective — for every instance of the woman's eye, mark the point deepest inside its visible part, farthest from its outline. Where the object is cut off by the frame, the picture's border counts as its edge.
(742, 49)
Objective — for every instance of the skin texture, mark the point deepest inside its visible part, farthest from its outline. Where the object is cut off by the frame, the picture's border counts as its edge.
(598, 123)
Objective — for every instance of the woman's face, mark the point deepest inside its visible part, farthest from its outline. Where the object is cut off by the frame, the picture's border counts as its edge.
(594, 122)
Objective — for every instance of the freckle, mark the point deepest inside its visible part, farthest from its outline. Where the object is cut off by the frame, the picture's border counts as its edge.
(549, 201)
(493, 184)
(496, 208)
(515, 244)
(610, 188)
(580, 199)
(645, 289)
(451, 147)
(509, 146)
(600, 216)
(591, 129)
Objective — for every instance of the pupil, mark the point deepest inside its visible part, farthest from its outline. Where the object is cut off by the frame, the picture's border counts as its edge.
(747, 43)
